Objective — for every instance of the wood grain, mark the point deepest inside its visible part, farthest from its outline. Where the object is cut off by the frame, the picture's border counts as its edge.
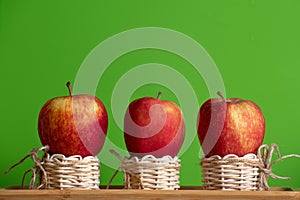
(115, 194)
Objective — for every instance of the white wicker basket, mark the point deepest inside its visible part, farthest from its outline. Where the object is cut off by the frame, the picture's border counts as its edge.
(72, 172)
(151, 173)
(231, 172)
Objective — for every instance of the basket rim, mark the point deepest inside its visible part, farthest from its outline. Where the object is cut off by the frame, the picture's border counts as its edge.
(231, 156)
(151, 158)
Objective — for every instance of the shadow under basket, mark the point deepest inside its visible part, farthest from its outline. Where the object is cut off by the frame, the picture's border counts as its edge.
(151, 173)
(231, 172)
(73, 172)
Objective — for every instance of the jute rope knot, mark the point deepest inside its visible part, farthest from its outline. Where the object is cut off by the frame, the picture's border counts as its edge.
(264, 155)
(36, 170)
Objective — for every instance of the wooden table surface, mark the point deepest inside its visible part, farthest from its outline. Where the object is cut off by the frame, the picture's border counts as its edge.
(185, 193)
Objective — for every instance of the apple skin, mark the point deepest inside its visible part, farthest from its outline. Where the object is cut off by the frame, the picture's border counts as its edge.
(73, 125)
(153, 127)
(230, 126)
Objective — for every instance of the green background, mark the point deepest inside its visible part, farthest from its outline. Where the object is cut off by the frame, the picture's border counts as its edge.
(255, 45)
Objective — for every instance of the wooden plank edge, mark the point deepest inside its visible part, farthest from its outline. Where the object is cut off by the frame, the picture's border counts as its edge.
(155, 194)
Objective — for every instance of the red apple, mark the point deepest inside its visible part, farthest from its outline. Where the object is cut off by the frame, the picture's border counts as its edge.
(73, 125)
(153, 127)
(230, 126)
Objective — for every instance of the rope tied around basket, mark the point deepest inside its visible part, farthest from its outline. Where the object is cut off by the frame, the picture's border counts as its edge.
(36, 170)
(264, 155)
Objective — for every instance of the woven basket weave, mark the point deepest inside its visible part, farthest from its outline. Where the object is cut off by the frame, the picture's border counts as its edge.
(150, 173)
(231, 172)
(72, 172)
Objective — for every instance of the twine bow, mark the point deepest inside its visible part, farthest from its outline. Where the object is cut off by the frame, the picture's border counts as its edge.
(36, 170)
(264, 155)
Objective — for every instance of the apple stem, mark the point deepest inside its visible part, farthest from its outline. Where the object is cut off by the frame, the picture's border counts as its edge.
(159, 95)
(70, 88)
(221, 95)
